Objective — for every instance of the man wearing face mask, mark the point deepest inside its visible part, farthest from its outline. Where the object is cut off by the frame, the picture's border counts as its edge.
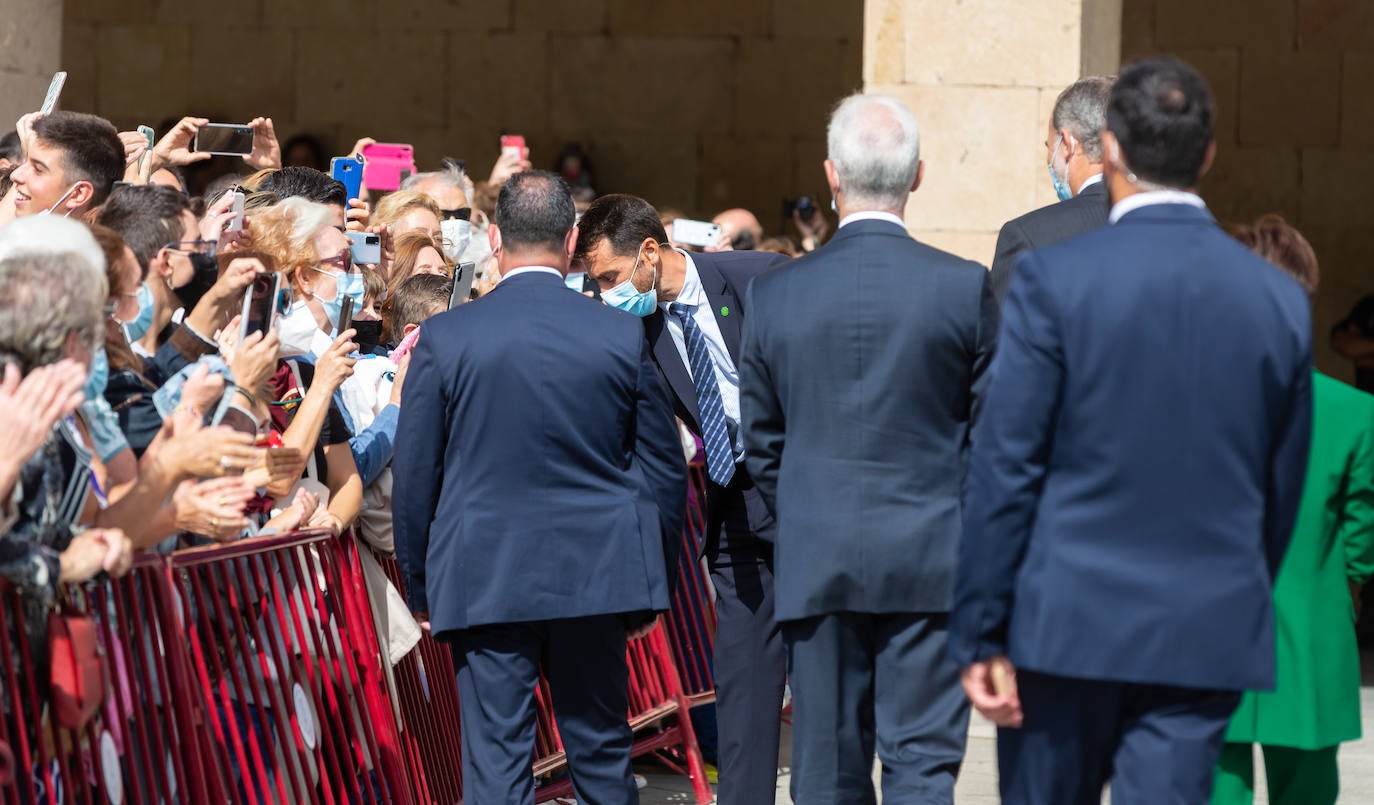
(446, 188)
(71, 162)
(693, 310)
(1074, 148)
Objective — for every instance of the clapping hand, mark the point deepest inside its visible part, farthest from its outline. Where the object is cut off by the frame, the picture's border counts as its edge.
(36, 402)
(212, 508)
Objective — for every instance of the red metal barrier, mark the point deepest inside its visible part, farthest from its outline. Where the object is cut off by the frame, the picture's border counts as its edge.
(691, 624)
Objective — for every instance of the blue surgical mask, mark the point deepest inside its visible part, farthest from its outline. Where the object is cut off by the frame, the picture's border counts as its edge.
(345, 284)
(628, 298)
(574, 281)
(136, 329)
(99, 375)
(1061, 186)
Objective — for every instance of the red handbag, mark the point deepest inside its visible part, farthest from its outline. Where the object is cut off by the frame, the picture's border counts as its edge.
(78, 675)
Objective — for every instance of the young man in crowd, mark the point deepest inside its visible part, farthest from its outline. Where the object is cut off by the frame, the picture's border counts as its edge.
(71, 163)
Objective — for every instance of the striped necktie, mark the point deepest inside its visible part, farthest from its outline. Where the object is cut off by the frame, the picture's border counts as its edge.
(715, 434)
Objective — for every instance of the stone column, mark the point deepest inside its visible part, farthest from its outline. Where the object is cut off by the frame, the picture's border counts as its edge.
(30, 52)
(982, 76)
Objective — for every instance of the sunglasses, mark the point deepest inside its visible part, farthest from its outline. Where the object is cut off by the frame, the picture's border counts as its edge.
(461, 214)
(192, 246)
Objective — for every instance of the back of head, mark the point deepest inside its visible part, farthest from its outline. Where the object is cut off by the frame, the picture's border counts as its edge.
(50, 234)
(306, 183)
(44, 298)
(147, 216)
(1277, 241)
(623, 221)
(11, 148)
(534, 212)
(1161, 113)
(395, 205)
(418, 298)
(91, 149)
(875, 145)
(1082, 109)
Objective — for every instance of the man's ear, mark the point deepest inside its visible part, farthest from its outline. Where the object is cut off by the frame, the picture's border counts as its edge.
(1208, 159)
(82, 194)
(920, 174)
(408, 329)
(494, 238)
(160, 266)
(570, 243)
(832, 178)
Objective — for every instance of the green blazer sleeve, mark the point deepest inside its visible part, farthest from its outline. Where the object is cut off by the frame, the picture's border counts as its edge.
(1355, 529)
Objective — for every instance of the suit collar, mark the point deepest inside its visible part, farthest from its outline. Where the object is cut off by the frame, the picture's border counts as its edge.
(670, 363)
(531, 279)
(869, 226)
(1156, 198)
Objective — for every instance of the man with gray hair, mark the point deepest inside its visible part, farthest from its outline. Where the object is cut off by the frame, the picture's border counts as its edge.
(1074, 158)
(861, 374)
(451, 189)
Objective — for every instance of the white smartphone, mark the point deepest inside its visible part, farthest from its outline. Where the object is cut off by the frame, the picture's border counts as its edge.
(696, 233)
(54, 92)
(366, 248)
(236, 223)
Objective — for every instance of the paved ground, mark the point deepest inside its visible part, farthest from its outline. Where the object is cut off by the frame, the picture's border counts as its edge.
(978, 782)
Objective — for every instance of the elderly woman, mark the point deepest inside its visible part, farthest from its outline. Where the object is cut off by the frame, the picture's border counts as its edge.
(1316, 702)
(312, 254)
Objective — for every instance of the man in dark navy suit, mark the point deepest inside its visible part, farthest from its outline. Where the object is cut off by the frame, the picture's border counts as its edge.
(538, 497)
(862, 372)
(1074, 146)
(693, 307)
(1135, 478)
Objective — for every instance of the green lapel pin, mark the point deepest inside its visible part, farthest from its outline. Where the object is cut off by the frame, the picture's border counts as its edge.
(725, 311)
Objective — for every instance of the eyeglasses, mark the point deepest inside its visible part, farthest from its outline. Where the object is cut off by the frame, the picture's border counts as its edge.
(462, 214)
(342, 261)
(192, 246)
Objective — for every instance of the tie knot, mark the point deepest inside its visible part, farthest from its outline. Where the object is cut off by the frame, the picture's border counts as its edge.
(680, 310)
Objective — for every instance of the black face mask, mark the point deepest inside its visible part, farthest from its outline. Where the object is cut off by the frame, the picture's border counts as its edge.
(369, 335)
(205, 272)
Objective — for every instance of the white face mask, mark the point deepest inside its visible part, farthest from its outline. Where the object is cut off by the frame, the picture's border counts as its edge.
(61, 201)
(457, 236)
(298, 331)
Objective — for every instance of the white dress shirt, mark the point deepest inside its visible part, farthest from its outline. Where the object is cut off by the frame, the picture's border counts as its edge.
(871, 215)
(727, 375)
(1151, 198)
(532, 270)
(1096, 178)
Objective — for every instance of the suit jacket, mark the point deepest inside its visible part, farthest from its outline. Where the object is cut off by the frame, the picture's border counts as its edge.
(1139, 463)
(1046, 226)
(725, 277)
(863, 369)
(537, 474)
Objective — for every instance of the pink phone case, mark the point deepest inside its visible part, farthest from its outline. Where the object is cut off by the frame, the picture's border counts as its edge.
(387, 165)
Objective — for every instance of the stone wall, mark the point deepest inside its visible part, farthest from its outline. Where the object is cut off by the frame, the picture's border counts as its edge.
(1295, 134)
(695, 104)
(30, 40)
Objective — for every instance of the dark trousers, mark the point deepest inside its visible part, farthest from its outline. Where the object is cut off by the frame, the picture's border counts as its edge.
(1156, 745)
(750, 661)
(498, 668)
(860, 679)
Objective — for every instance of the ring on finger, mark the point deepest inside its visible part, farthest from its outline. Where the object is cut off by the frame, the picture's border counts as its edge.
(214, 522)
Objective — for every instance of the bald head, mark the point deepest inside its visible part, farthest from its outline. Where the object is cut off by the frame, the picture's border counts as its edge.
(874, 146)
(740, 227)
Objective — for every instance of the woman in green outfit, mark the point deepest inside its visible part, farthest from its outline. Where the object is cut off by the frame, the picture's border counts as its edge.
(1316, 702)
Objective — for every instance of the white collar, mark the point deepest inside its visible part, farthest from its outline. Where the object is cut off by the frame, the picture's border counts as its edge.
(532, 269)
(1152, 197)
(1096, 178)
(692, 292)
(872, 215)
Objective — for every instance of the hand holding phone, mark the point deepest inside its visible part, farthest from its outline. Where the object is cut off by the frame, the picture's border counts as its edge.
(463, 276)
(513, 146)
(59, 79)
(261, 305)
(345, 315)
(366, 248)
(236, 223)
(223, 139)
(386, 165)
(348, 170)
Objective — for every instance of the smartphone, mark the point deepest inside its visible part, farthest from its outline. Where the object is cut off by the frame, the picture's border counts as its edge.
(224, 139)
(147, 132)
(348, 170)
(238, 419)
(345, 316)
(54, 92)
(463, 276)
(589, 284)
(260, 306)
(366, 248)
(386, 165)
(513, 145)
(236, 223)
(696, 233)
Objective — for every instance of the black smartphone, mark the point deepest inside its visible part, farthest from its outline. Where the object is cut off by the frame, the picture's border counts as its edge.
(589, 284)
(260, 306)
(223, 138)
(462, 284)
(345, 315)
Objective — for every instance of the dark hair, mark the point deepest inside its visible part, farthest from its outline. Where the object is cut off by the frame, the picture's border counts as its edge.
(10, 147)
(318, 153)
(1162, 114)
(1280, 243)
(90, 147)
(622, 220)
(306, 183)
(535, 208)
(5, 182)
(418, 298)
(147, 216)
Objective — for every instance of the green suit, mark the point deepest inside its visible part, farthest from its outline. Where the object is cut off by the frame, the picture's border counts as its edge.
(1316, 702)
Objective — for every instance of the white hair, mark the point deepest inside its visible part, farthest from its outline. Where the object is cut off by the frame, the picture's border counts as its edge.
(875, 145)
(307, 218)
(51, 234)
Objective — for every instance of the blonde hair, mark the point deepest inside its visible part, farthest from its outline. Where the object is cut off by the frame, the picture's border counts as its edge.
(286, 233)
(408, 248)
(395, 206)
